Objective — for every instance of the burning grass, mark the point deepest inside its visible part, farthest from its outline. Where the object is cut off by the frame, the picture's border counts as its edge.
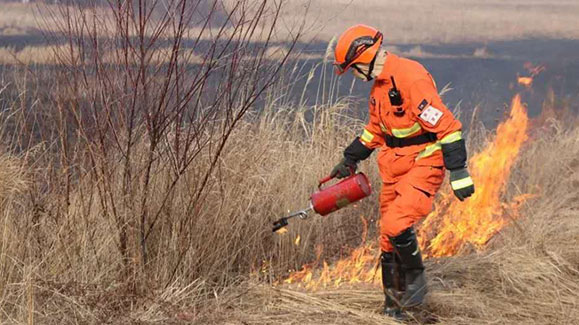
(528, 273)
(453, 226)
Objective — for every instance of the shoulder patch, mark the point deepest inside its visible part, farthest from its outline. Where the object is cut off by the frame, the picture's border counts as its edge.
(431, 115)
(422, 105)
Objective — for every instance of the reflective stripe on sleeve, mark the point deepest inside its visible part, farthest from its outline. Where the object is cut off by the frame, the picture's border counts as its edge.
(453, 137)
(403, 133)
(461, 183)
(367, 136)
(429, 150)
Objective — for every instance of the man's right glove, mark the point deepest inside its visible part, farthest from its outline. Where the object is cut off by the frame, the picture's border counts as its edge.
(461, 183)
(344, 168)
(355, 152)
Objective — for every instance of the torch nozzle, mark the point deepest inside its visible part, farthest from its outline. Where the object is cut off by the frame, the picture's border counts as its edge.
(282, 222)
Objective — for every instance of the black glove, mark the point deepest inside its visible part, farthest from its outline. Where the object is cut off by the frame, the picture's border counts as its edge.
(461, 183)
(355, 152)
(344, 168)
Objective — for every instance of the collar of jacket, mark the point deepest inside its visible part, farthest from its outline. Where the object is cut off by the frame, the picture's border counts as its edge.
(389, 67)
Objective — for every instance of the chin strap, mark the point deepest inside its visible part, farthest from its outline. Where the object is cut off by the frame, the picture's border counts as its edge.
(371, 67)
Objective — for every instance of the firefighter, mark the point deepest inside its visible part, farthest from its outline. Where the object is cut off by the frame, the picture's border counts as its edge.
(419, 139)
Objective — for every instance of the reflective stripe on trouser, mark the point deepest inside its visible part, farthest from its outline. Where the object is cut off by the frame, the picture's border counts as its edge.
(408, 200)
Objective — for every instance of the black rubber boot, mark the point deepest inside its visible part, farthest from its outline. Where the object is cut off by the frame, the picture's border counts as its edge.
(401, 276)
(406, 247)
(389, 283)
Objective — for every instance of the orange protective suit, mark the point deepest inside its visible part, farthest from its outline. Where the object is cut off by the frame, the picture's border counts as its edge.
(411, 175)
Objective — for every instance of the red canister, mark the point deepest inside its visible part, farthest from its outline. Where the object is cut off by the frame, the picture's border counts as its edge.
(339, 195)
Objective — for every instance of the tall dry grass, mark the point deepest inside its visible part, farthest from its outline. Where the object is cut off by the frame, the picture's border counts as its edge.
(528, 274)
(62, 249)
(141, 196)
(68, 201)
(61, 264)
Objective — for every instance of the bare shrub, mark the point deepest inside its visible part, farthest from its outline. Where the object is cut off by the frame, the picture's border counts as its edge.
(141, 136)
(131, 137)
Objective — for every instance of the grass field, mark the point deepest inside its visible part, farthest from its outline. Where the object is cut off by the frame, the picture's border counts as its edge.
(403, 22)
(136, 189)
(449, 21)
(413, 21)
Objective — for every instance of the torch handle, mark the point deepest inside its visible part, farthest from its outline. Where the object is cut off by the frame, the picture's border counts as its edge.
(330, 177)
(324, 180)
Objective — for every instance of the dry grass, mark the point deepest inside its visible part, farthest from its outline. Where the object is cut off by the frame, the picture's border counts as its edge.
(29, 55)
(67, 271)
(17, 19)
(415, 21)
(449, 21)
(60, 261)
(528, 275)
(45, 54)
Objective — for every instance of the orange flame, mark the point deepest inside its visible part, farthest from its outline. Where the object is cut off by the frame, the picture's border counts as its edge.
(525, 81)
(533, 71)
(453, 225)
(359, 267)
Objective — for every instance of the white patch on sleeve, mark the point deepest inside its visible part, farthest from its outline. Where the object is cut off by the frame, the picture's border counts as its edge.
(431, 115)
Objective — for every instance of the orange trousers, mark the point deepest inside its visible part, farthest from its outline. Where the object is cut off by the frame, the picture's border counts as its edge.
(407, 193)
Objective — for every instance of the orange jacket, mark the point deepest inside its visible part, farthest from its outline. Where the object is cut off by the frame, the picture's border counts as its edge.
(422, 111)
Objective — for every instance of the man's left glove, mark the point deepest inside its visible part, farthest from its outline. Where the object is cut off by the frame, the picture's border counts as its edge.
(454, 155)
(461, 183)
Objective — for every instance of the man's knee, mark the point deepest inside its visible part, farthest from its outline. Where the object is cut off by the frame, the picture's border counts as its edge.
(385, 244)
(393, 229)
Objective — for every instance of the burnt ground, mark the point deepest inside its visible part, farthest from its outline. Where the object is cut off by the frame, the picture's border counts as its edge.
(490, 82)
(487, 81)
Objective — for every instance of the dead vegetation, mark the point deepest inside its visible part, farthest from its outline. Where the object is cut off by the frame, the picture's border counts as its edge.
(529, 273)
(403, 22)
(86, 166)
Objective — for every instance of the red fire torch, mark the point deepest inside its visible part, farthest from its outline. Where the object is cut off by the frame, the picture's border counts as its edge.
(327, 200)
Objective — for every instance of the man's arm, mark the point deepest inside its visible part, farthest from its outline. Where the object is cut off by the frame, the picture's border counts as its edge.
(435, 117)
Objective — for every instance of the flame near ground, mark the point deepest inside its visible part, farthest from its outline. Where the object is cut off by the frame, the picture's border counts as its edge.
(453, 225)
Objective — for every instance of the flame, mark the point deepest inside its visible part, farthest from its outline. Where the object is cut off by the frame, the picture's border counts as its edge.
(297, 241)
(525, 81)
(359, 267)
(453, 225)
(533, 70)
